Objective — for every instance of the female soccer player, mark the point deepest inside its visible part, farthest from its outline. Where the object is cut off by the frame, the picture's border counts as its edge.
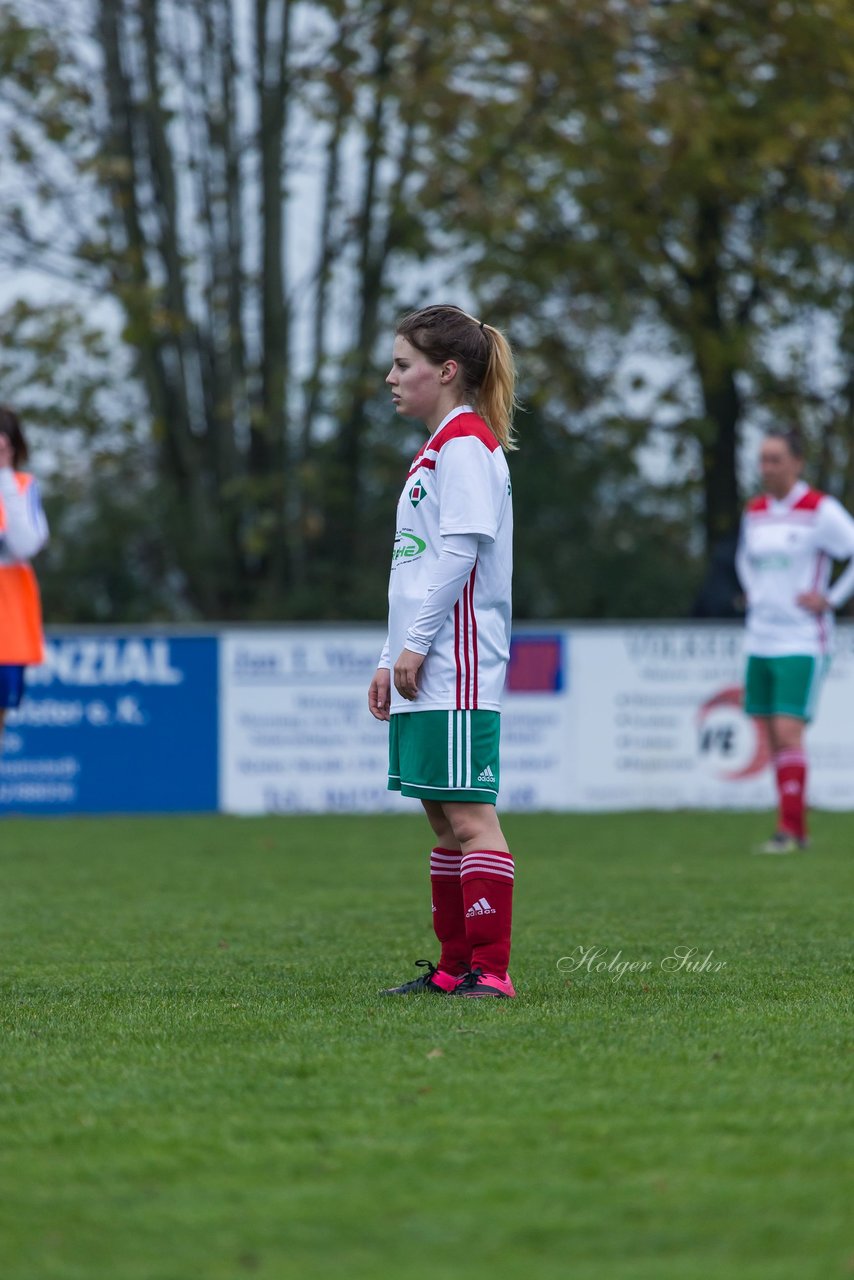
(449, 635)
(23, 532)
(789, 536)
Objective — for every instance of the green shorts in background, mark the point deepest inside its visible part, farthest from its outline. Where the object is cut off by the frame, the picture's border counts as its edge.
(445, 755)
(786, 686)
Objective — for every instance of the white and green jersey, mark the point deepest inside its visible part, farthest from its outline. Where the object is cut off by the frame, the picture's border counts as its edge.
(787, 548)
(458, 483)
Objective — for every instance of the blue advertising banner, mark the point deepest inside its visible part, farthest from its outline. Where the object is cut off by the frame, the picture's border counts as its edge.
(115, 724)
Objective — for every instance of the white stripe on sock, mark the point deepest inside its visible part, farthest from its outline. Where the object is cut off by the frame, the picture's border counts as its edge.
(487, 858)
(484, 864)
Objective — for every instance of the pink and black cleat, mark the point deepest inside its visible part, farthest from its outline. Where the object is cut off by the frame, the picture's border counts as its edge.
(435, 981)
(476, 985)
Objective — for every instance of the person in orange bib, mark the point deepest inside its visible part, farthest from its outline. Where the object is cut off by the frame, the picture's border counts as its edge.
(23, 532)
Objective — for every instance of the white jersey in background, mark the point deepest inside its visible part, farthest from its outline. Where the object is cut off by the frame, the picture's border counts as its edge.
(458, 483)
(23, 526)
(787, 547)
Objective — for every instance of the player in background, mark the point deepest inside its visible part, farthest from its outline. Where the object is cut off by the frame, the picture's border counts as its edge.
(23, 532)
(441, 675)
(789, 538)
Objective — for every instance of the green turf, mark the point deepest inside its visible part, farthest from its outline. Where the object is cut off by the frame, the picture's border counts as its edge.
(199, 1081)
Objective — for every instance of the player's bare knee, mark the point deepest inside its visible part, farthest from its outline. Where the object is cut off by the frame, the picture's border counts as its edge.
(787, 733)
(438, 820)
(470, 826)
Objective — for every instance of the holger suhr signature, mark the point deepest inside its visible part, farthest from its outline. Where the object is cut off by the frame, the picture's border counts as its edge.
(600, 960)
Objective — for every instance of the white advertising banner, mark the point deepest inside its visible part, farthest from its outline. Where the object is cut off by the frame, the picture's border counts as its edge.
(658, 723)
(296, 735)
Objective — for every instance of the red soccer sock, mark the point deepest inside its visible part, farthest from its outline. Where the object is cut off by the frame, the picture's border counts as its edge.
(791, 766)
(487, 883)
(449, 921)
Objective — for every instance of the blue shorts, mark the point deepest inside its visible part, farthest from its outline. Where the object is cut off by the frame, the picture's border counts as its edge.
(11, 686)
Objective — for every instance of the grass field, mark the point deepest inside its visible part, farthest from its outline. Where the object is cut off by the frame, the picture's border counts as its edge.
(200, 1082)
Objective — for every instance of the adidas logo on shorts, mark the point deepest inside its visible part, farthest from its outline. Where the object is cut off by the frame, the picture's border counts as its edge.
(480, 908)
(487, 775)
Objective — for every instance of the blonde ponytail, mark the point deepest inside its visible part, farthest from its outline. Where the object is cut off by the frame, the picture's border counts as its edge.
(496, 396)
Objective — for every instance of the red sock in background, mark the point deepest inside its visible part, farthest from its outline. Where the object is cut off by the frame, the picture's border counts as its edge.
(791, 766)
(487, 882)
(449, 921)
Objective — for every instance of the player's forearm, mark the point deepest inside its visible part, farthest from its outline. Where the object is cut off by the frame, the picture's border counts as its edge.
(742, 569)
(25, 532)
(843, 587)
(455, 563)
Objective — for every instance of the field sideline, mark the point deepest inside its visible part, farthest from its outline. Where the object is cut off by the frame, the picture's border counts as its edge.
(200, 1082)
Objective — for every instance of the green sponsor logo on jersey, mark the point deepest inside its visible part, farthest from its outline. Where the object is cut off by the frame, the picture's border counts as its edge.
(773, 560)
(407, 546)
(417, 492)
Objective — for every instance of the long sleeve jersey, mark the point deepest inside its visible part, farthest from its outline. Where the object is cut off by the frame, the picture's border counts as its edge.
(452, 564)
(786, 548)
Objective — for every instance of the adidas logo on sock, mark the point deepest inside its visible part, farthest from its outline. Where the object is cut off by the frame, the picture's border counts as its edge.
(480, 908)
(487, 775)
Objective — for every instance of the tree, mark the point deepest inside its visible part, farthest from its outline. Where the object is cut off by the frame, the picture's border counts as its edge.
(651, 197)
(203, 158)
(669, 165)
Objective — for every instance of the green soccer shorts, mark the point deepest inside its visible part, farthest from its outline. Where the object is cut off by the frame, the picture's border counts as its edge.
(445, 755)
(787, 686)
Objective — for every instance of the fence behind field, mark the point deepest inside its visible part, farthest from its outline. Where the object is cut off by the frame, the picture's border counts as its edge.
(259, 720)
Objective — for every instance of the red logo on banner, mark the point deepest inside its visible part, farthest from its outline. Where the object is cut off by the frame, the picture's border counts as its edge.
(732, 743)
(536, 665)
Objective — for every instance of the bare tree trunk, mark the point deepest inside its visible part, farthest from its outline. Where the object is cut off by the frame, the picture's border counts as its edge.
(270, 460)
(327, 253)
(716, 370)
(344, 522)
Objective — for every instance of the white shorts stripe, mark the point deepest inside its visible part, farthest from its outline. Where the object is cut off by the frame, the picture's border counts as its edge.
(819, 671)
(467, 715)
(450, 748)
(486, 791)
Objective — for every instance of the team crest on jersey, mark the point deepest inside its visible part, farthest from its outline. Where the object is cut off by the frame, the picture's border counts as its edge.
(417, 492)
